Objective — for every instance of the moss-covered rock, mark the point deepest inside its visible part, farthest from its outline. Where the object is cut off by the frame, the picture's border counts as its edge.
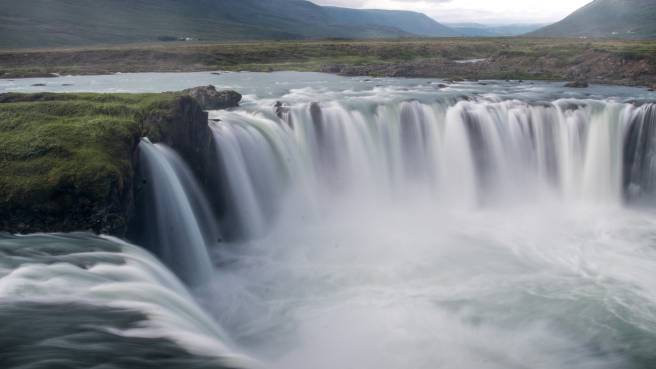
(67, 160)
(212, 99)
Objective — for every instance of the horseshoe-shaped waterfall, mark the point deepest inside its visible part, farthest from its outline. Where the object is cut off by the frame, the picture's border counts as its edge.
(378, 224)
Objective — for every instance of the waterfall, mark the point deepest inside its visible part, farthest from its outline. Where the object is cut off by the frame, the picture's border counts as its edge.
(90, 301)
(177, 222)
(380, 223)
(256, 158)
(640, 155)
(466, 153)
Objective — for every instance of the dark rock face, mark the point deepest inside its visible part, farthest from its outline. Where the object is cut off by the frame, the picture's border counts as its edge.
(210, 99)
(284, 113)
(74, 209)
(577, 84)
(187, 131)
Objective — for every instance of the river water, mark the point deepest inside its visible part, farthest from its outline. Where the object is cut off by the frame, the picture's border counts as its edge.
(368, 223)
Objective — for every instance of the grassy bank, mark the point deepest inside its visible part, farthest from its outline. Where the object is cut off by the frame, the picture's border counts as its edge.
(66, 159)
(610, 61)
(82, 140)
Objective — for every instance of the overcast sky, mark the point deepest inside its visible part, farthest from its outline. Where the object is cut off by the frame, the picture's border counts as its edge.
(479, 11)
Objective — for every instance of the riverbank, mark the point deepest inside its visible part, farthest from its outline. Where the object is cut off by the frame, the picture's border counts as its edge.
(596, 61)
(69, 160)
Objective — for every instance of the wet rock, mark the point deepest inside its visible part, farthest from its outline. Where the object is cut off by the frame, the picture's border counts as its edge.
(280, 109)
(572, 106)
(210, 98)
(38, 85)
(577, 84)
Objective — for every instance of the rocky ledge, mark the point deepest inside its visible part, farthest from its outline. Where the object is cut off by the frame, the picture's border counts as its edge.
(210, 99)
(68, 161)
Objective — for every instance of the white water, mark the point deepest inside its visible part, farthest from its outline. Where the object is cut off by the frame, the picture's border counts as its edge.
(472, 234)
(466, 154)
(175, 229)
(105, 273)
(395, 225)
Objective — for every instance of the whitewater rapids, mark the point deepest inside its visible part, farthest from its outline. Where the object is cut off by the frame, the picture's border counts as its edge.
(478, 232)
(378, 224)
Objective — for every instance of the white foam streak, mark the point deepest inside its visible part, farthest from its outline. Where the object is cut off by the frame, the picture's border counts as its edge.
(135, 281)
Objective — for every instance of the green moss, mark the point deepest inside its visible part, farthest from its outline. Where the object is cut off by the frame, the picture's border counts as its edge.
(79, 144)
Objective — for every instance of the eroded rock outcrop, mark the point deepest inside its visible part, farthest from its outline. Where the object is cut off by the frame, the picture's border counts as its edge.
(210, 98)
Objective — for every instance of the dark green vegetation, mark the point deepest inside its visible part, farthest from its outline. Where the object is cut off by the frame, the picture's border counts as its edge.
(600, 61)
(624, 19)
(67, 159)
(54, 23)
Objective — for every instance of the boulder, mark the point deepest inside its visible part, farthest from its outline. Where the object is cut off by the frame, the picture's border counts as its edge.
(209, 98)
(577, 84)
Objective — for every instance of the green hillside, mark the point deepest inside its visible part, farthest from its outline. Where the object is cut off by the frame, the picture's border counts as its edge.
(52, 23)
(629, 19)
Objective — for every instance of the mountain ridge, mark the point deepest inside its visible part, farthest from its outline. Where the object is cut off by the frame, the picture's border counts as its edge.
(621, 19)
(60, 23)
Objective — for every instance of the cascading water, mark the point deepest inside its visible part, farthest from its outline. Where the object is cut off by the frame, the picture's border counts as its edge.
(79, 301)
(471, 152)
(257, 159)
(176, 221)
(368, 224)
(483, 233)
(640, 155)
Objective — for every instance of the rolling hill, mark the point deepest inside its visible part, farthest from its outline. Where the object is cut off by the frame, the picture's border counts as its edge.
(629, 19)
(53, 23)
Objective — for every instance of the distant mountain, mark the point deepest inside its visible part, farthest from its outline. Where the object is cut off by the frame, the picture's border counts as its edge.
(485, 30)
(410, 22)
(631, 19)
(38, 23)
